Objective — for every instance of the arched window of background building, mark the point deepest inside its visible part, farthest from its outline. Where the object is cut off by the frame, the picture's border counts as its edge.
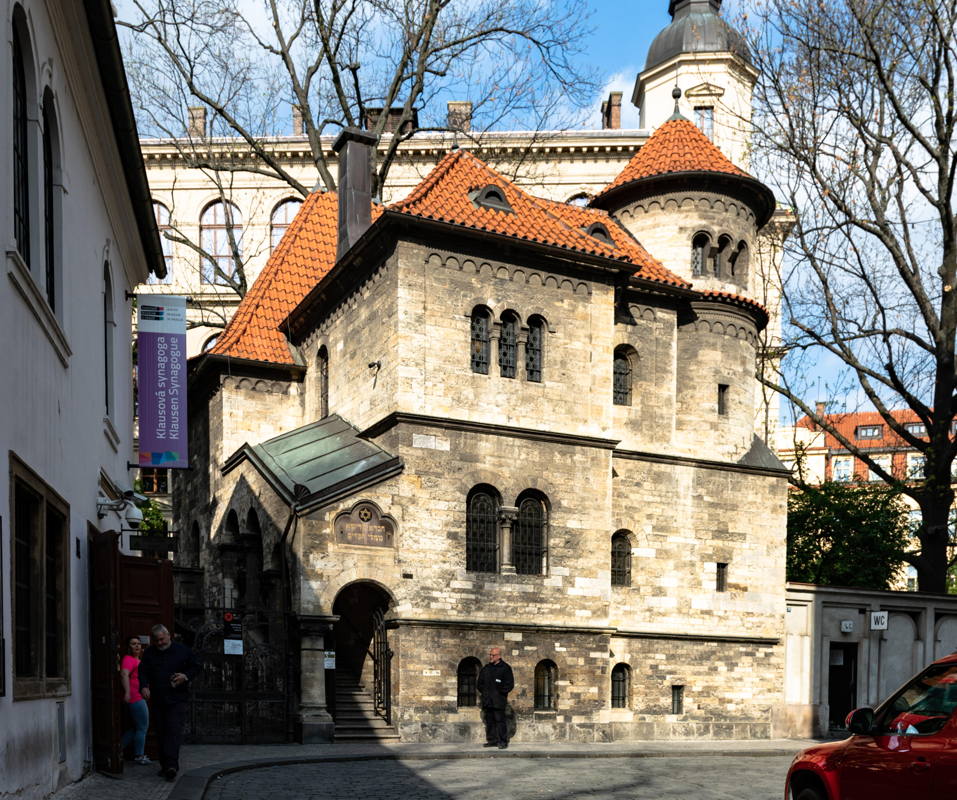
(481, 530)
(467, 679)
(161, 213)
(546, 675)
(535, 349)
(621, 559)
(620, 685)
(481, 323)
(282, 216)
(221, 237)
(529, 534)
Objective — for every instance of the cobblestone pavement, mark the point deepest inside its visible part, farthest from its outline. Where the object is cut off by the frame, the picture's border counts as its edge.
(687, 778)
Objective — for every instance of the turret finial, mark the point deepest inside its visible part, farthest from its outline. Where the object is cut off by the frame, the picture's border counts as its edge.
(676, 94)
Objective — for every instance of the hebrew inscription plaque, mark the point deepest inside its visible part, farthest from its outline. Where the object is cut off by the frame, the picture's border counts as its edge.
(365, 525)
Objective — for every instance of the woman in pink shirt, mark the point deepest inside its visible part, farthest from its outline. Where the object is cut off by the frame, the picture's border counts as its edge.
(139, 712)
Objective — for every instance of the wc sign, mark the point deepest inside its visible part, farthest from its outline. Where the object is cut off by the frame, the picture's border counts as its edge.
(878, 620)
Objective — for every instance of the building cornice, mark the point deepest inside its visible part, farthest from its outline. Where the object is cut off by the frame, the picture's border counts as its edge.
(702, 463)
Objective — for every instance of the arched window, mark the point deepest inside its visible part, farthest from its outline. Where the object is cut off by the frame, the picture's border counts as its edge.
(739, 263)
(546, 674)
(221, 237)
(209, 343)
(535, 349)
(700, 249)
(481, 327)
(508, 345)
(621, 376)
(581, 199)
(481, 530)
(232, 580)
(322, 369)
(621, 559)
(109, 329)
(620, 685)
(161, 213)
(282, 216)
(51, 201)
(722, 258)
(468, 681)
(22, 80)
(529, 535)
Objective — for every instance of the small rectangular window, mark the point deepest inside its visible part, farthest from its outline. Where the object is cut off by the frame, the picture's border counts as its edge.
(721, 578)
(842, 469)
(915, 428)
(869, 431)
(704, 119)
(723, 399)
(677, 699)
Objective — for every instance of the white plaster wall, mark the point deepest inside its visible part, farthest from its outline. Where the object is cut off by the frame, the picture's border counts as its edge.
(54, 411)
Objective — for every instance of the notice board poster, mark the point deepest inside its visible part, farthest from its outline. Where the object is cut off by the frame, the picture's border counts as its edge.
(161, 381)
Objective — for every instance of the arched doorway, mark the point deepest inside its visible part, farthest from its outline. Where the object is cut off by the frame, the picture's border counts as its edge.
(363, 655)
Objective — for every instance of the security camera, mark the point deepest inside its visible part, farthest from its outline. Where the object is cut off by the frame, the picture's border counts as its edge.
(133, 516)
(135, 497)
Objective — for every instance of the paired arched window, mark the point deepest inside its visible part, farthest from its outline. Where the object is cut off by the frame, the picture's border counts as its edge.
(620, 685)
(163, 225)
(109, 329)
(22, 80)
(529, 535)
(481, 337)
(546, 676)
(51, 200)
(221, 237)
(467, 680)
(535, 349)
(700, 250)
(322, 368)
(739, 263)
(282, 216)
(508, 345)
(481, 530)
(622, 375)
(722, 258)
(621, 559)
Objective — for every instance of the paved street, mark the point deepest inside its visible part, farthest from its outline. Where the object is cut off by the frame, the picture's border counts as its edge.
(698, 777)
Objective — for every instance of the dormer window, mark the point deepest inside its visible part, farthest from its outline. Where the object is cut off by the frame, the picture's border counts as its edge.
(600, 232)
(492, 197)
(868, 432)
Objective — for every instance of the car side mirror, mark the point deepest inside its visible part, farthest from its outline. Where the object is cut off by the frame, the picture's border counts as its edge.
(860, 720)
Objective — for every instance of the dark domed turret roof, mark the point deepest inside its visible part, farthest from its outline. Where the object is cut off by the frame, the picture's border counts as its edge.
(695, 27)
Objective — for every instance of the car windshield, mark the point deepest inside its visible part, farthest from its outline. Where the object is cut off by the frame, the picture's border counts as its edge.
(924, 705)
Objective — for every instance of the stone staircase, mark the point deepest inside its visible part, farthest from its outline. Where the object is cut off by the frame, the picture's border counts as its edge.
(356, 720)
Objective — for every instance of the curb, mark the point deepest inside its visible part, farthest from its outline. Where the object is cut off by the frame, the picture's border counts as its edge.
(192, 785)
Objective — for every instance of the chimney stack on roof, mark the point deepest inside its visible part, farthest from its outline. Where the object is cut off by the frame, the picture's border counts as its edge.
(298, 128)
(196, 127)
(459, 117)
(611, 112)
(354, 149)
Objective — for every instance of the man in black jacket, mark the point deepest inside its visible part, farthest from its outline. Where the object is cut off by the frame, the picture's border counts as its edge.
(165, 674)
(495, 681)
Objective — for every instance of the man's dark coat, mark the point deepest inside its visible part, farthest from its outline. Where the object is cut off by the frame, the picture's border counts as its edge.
(495, 681)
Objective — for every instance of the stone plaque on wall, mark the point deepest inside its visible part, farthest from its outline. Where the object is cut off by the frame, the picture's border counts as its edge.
(365, 525)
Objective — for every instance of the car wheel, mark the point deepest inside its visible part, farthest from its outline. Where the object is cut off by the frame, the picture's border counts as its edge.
(809, 793)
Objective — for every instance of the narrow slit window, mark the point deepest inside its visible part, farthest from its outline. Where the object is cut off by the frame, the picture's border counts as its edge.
(677, 699)
(722, 399)
(721, 577)
(480, 340)
(533, 349)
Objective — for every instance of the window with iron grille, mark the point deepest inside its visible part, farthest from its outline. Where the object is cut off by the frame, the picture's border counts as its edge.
(620, 680)
(481, 532)
(154, 480)
(49, 227)
(481, 323)
(322, 364)
(21, 152)
(528, 537)
(533, 349)
(468, 682)
(700, 250)
(620, 559)
(508, 346)
(621, 381)
(546, 673)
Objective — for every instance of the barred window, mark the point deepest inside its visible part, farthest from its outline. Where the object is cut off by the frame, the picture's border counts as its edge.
(468, 682)
(700, 250)
(508, 346)
(533, 349)
(481, 323)
(621, 379)
(620, 559)
(21, 147)
(481, 530)
(528, 536)
(221, 237)
(322, 367)
(546, 674)
(620, 685)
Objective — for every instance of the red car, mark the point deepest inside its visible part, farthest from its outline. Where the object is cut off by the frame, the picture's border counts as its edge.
(906, 748)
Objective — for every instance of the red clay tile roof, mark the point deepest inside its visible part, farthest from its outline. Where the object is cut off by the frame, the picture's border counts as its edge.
(734, 298)
(677, 146)
(848, 424)
(303, 256)
(444, 195)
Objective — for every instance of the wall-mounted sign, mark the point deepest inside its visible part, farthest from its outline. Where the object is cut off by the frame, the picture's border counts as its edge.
(329, 659)
(232, 625)
(879, 620)
(232, 647)
(847, 626)
(365, 525)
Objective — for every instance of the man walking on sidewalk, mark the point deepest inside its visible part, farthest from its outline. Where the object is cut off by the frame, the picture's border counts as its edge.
(495, 681)
(165, 674)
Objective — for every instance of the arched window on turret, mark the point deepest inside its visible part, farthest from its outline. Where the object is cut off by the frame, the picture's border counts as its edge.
(740, 262)
(722, 266)
(700, 249)
(481, 321)
(535, 349)
(508, 345)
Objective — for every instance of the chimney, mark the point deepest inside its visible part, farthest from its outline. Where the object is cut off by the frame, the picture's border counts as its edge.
(459, 116)
(354, 150)
(820, 408)
(392, 121)
(611, 112)
(196, 127)
(298, 129)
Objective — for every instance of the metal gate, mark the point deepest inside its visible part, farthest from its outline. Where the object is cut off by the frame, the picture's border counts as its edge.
(242, 699)
(382, 667)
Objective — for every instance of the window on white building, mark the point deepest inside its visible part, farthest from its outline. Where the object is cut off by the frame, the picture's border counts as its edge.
(704, 119)
(842, 469)
(161, 213)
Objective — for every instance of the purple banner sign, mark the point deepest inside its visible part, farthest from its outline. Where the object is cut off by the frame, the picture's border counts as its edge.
(161, 381)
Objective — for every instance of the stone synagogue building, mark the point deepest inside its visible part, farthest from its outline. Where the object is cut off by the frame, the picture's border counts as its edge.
(476, 416)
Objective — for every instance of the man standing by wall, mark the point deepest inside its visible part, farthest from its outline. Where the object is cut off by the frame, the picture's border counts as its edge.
(165, 674)
(495, 681)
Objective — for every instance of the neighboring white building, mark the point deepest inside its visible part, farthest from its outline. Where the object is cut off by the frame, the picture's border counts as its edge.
(78, 234)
